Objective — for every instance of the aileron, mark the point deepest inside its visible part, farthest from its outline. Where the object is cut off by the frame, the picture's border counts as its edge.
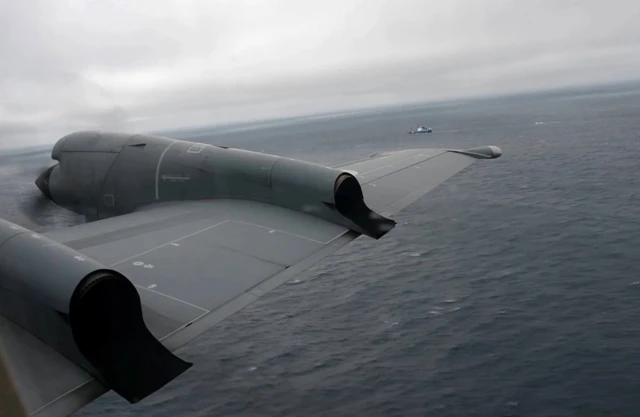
(392, 182)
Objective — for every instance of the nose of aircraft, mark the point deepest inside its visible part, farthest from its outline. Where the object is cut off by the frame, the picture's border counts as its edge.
(42, 182)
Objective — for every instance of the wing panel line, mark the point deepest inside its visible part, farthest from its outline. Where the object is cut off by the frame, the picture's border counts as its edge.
(65, 394)
(172, 297)
(221, 223)
(287, 233)
(394, 163)
(236, 304)
(407, 167)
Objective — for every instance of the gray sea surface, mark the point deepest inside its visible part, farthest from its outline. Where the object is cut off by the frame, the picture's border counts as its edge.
(513, 289)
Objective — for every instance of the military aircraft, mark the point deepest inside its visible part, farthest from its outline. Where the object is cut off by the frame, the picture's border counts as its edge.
(179, 236)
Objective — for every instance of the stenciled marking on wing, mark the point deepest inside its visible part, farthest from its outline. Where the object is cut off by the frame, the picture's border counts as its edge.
(142, 264)
(197, 148)
(158, 167)
(175, 178)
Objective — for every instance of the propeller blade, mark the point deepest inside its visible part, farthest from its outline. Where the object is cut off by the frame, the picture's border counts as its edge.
(38, 209)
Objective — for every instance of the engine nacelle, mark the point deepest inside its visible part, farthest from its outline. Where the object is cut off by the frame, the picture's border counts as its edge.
(314, 189)
(102, 174)
(90, 314)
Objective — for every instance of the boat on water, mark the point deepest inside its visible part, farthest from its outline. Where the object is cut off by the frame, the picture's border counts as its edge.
(420, 129)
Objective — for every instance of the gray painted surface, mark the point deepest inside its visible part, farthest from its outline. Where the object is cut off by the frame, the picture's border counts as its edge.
(201, 231)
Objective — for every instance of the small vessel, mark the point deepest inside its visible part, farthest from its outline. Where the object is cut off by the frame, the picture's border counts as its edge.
(420, 129)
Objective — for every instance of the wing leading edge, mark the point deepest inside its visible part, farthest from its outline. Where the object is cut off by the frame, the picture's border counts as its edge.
(196, 263)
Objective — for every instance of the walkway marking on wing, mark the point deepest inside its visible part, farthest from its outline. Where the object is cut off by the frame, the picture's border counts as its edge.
(174, 242)
(168, 243)
(158, 167)
(272, 230)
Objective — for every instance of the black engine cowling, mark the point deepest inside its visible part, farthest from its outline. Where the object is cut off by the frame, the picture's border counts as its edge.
(49, 287)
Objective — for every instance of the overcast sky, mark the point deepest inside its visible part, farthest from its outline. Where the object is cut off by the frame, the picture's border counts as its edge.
(155, 64)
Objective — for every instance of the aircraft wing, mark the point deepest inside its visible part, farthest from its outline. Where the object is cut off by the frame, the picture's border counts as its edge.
(393, 180)
(196, 263)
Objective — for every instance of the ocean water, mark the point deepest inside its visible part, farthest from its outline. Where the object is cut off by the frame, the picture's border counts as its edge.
(513, 289)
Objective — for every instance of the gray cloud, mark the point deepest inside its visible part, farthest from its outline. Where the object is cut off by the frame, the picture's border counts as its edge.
(150, 65)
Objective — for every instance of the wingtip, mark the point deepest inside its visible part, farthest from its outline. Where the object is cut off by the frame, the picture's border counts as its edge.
(497, 152)
(483, 152)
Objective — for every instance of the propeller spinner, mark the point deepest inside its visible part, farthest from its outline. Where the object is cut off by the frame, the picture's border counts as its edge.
(42, 182)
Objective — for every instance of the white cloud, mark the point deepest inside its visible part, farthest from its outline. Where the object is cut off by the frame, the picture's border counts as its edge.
(145, 65)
